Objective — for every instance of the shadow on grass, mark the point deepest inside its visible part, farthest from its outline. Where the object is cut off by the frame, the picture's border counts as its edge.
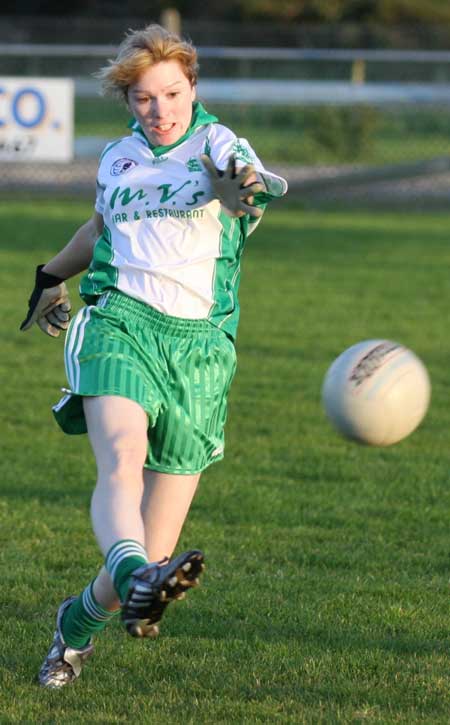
(318, 640)
(75, 495)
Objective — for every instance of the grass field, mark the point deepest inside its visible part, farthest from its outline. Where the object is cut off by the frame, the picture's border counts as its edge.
(326, 597)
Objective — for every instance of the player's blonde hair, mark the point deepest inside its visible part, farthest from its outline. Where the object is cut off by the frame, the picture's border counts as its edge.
(140, 50)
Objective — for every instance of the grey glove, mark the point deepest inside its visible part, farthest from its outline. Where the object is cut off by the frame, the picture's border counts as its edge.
(49, 305)
(229, 186)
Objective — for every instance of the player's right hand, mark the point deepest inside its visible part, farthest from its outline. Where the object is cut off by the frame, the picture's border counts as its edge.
(49, 305)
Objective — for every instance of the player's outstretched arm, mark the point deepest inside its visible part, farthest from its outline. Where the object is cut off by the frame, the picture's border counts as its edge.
(76, 256)
(49, 305)
(234, 188)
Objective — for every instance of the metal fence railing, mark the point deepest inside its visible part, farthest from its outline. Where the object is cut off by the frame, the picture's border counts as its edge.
(356, 64)
(340, 124)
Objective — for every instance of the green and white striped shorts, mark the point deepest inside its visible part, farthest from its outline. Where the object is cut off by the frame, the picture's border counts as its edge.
(178, 370)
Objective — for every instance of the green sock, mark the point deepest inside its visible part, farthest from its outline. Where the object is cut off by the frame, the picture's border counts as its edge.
(83, 618)
(122, 559)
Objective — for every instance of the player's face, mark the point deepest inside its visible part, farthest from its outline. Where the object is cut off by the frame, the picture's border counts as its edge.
(161, 101)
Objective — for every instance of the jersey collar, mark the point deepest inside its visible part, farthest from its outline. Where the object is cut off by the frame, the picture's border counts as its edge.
(200, 117)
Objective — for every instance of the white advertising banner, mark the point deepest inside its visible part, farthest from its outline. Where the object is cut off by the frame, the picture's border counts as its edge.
(36, 119)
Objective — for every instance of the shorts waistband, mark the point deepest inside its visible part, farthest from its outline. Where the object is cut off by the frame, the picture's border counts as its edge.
(137, 311)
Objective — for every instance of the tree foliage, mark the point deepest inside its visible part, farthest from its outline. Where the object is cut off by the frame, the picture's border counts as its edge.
(377, 11)
(385, 12)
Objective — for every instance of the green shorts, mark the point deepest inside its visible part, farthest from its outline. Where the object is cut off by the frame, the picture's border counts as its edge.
(178, 370)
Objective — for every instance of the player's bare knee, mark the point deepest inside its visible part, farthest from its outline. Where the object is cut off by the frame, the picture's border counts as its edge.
(123, 459)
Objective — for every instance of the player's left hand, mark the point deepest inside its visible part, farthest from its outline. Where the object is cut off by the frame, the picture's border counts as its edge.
(49, 305)
(230, 186)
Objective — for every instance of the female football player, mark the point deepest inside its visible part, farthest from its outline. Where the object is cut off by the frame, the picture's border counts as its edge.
(151, 357)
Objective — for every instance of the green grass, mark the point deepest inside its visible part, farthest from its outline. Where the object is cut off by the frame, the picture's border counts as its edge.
(326, 595)
(322, 135)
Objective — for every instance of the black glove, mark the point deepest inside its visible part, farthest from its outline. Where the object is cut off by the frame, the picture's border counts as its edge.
(229, 186)
(49, 304)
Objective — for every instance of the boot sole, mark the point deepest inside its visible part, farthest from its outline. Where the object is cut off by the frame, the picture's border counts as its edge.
(182, 574)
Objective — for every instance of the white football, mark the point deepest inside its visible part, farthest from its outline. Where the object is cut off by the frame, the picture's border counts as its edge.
(376, 392)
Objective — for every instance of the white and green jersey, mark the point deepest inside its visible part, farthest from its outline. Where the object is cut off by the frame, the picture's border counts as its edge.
(166, 240)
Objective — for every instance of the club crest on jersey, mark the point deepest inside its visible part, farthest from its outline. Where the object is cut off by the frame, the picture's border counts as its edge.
(121, 166)
(193, 165)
